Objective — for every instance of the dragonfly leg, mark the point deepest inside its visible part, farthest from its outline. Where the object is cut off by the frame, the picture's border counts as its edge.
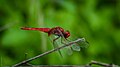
(56, 39)
(65, 40)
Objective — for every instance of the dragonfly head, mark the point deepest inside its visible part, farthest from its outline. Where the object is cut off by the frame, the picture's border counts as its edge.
(66, 34)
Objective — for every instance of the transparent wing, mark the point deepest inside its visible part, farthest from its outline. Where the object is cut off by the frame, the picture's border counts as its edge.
(76, 47)
(68, 49)
(83, 43)
(64, 41)
(55, 43)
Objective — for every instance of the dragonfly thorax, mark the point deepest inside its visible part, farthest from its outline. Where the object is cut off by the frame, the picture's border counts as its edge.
(65, 34)
(59, 32)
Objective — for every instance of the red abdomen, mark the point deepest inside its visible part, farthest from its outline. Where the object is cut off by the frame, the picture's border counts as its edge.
(46, 30)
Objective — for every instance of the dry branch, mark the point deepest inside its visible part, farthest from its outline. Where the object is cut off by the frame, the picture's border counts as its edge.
(100, 64)
(48, 52)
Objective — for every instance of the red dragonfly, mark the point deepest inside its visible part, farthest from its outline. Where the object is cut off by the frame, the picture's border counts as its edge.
(59, 32)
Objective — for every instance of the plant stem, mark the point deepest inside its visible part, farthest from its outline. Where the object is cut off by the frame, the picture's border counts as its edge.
(48, 52)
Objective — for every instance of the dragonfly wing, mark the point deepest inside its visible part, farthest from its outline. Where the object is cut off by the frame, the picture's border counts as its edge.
(64, 41)
(57, 47)
(83, 43)
(76, 47)
(55, 44)
(69, 51)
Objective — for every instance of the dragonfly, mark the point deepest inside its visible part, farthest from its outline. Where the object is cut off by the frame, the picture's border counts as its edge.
(60, 33)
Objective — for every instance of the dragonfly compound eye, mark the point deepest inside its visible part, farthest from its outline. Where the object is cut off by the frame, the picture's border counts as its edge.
(67, 34)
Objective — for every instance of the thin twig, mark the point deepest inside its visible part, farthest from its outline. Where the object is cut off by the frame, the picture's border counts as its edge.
(101, 64)
(48, 52)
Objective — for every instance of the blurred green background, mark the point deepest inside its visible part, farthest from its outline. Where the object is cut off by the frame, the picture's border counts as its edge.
(96, 20)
